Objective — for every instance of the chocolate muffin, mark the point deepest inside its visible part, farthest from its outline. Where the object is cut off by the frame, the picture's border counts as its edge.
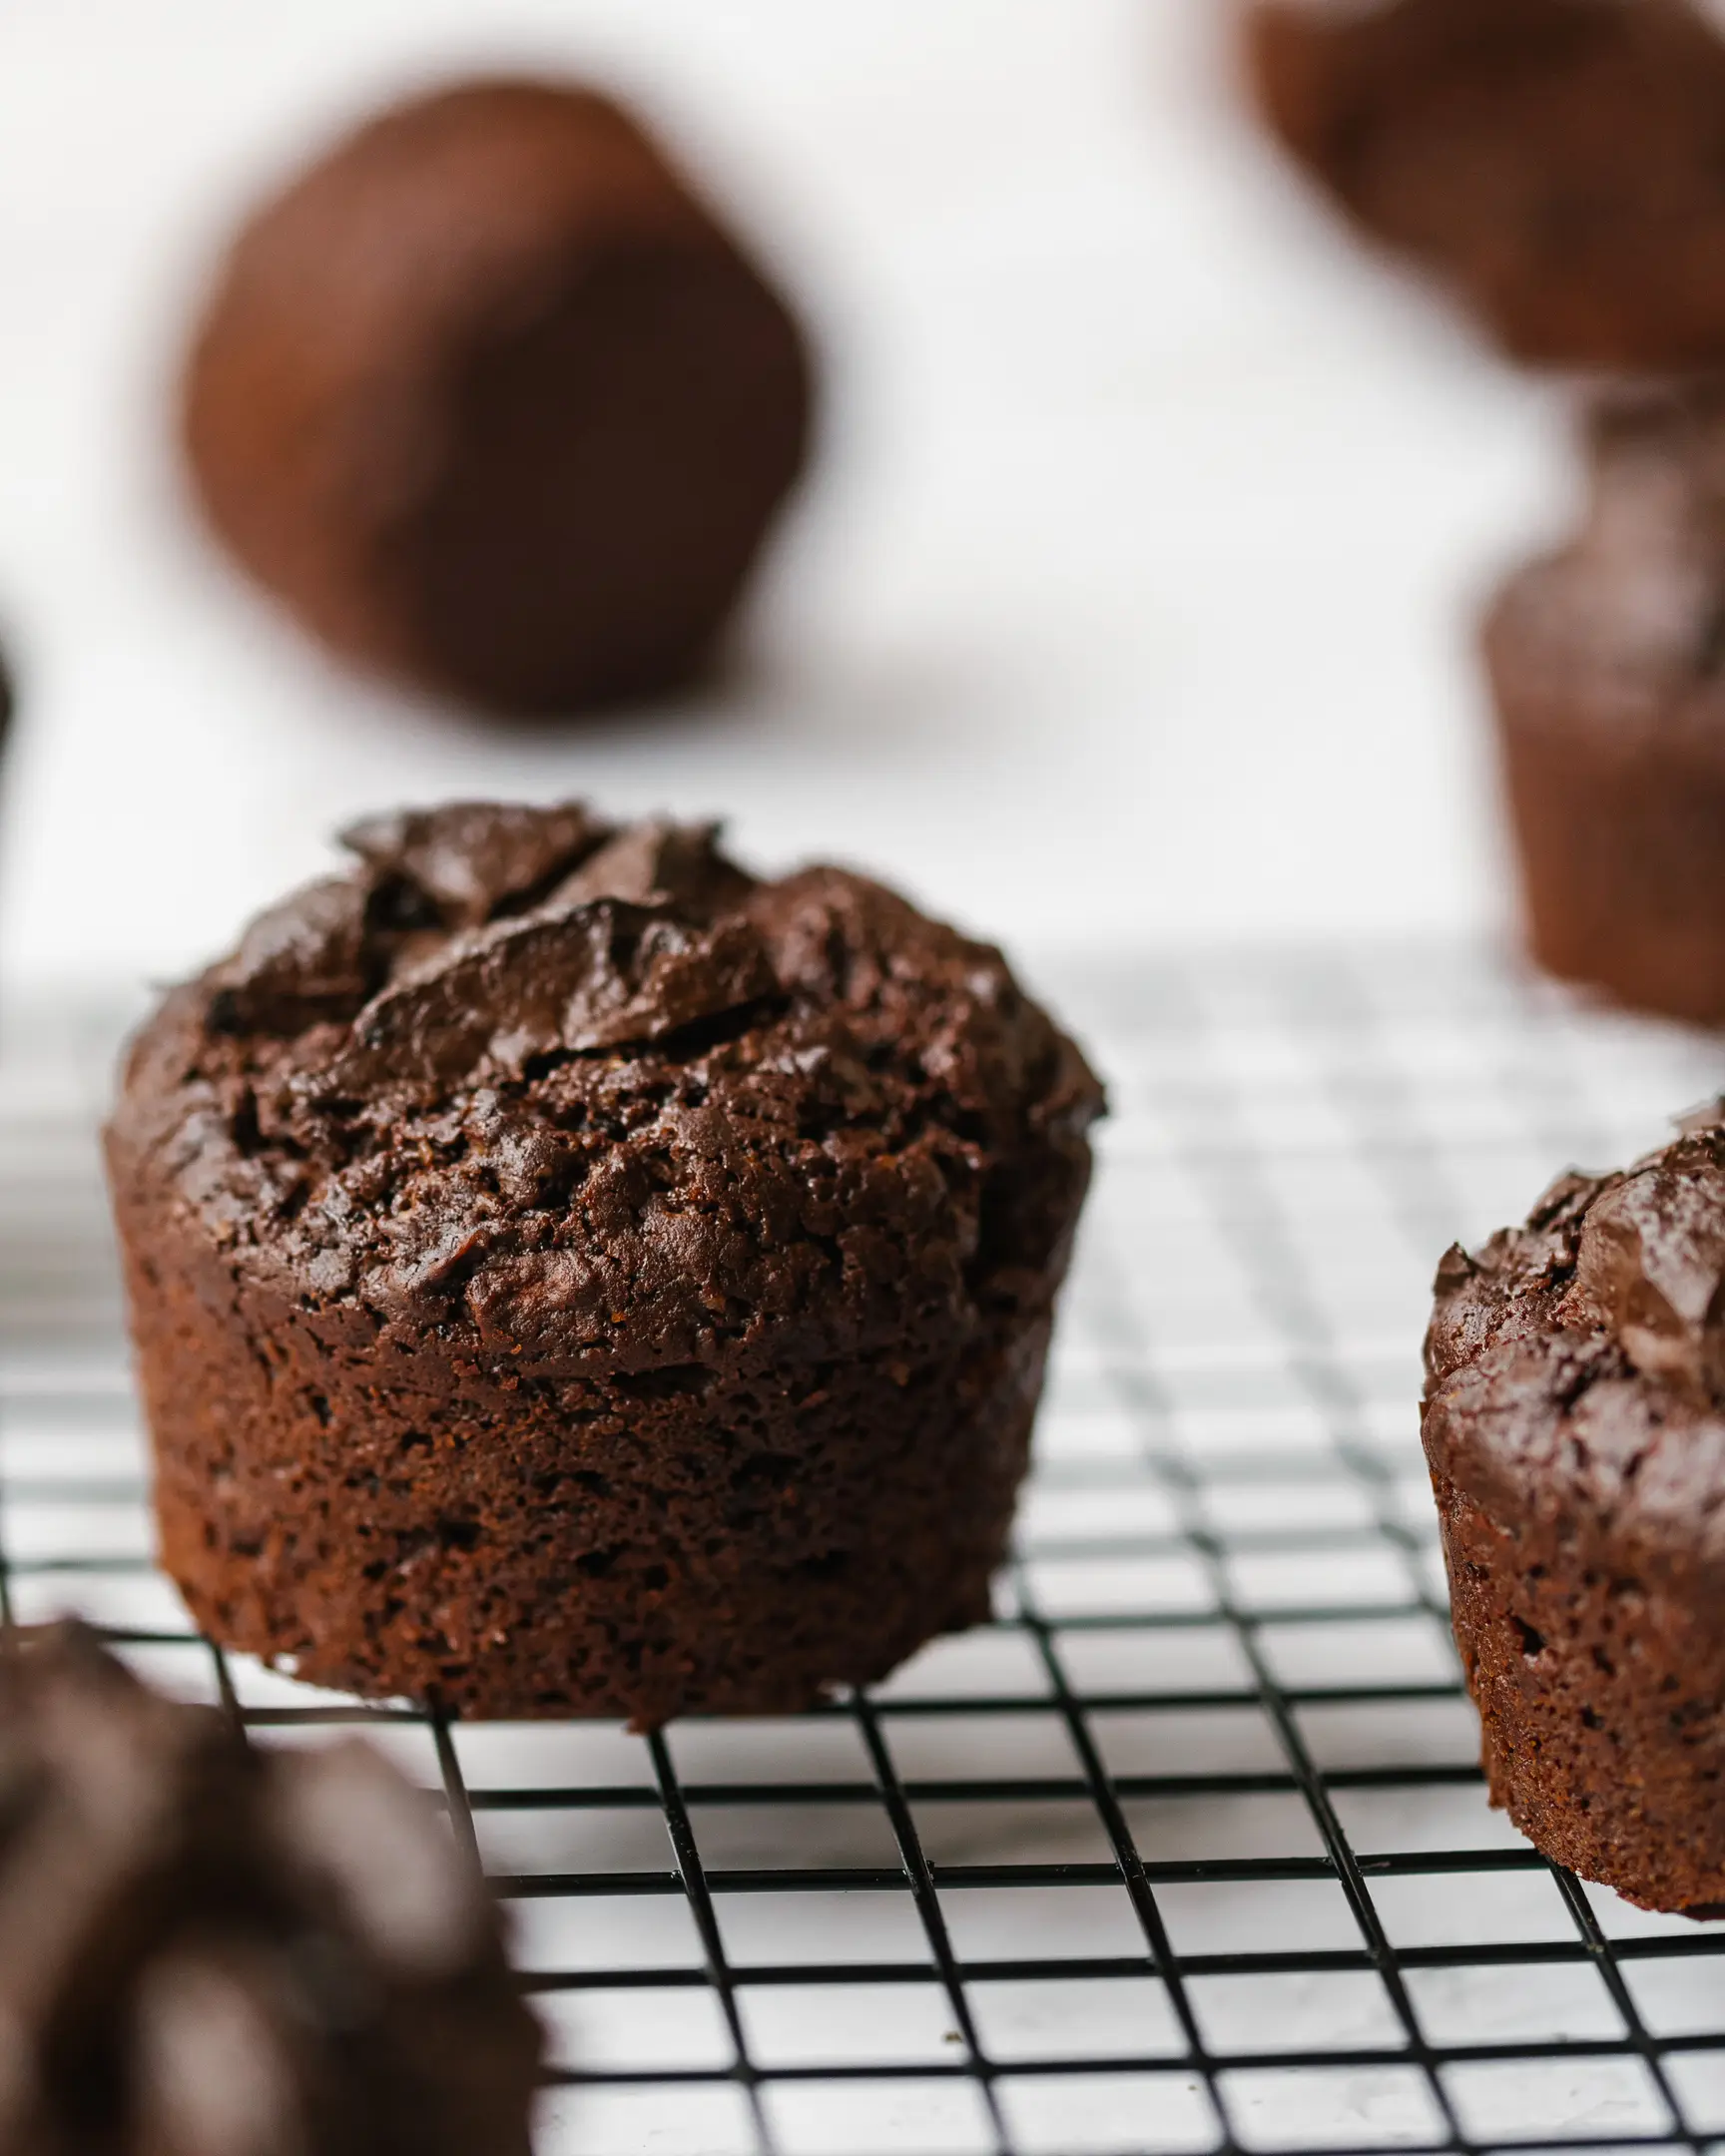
(1574, 1424)
(491, 399)
(572, 1276)
(1607, 663)
(207, 1951)
(1559, 163)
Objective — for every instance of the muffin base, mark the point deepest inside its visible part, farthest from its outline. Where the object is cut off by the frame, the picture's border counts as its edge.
(1601, 1703)
(396, 1517)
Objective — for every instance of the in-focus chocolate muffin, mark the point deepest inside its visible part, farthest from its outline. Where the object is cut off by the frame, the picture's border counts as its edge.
(573, 1276)
(207, 1951)
(1607, 664)
(1575, 1427)
(1559, 163)
(491, 399)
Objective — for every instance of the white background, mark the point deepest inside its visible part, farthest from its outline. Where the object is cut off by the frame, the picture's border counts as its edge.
(1131, 600)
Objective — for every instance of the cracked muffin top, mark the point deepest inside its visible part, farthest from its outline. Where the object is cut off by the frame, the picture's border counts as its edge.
(1582, 1356)
(596, 1096)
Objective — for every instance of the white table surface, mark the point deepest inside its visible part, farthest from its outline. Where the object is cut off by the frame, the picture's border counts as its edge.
(1130, 602)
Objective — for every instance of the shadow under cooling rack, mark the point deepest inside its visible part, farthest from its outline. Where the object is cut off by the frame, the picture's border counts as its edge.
(1189, 1849)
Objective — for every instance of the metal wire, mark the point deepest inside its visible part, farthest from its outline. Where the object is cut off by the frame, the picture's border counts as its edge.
(1187, 1849)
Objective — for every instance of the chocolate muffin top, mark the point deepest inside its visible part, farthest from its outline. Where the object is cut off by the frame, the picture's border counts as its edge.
(1582, 1356)
(1560, 162)
(218, 1951)
(1628, 621)
(594, 1096)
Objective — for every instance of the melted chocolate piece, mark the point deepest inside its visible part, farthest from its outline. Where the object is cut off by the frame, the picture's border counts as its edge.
(470, 859)
(632, 946)
(571, 979)
(659, 864)
(306, 959)
(1651, 1261)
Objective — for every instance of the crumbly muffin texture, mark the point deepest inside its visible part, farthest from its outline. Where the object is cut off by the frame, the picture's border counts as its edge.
(1574, 1424)
(571, 1274)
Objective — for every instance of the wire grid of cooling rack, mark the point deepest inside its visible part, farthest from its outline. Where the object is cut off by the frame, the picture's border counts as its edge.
(1188, 1849)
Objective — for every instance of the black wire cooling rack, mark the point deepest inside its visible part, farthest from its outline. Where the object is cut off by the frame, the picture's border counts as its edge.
(1189, 1849)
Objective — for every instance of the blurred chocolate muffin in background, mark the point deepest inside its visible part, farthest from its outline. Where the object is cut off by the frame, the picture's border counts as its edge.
(1607, 661)
(1560, 164)
(494, 403)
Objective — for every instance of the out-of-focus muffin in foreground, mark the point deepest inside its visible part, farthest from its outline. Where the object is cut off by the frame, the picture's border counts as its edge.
(207, 1949)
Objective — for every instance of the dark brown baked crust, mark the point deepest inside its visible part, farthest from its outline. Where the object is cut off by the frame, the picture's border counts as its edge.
(572, 1276)
(1560, 164)
(492, 401)
(1606, 668)
(206, 1948)
(1574, 1424)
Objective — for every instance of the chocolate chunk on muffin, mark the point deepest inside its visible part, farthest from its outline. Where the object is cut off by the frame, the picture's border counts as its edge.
(1607, 664)
(494, 403)
(572, 1276)
(213, 1952)
(1574, 1424)
(1558, 164)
